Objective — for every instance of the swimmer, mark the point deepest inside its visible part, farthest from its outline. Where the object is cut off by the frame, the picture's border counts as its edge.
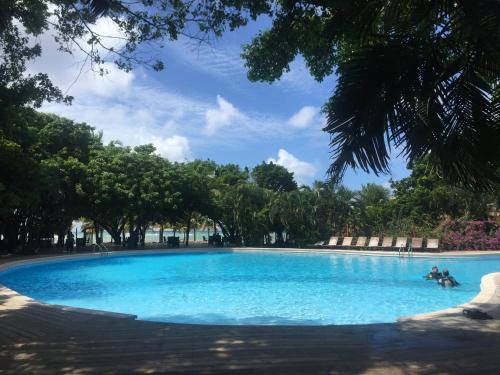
(434, 274)
(447, 279)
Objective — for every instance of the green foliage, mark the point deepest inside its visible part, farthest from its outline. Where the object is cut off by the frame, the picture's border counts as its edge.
(425, 198)
(336, 208)
(419, 75)
(273, 177)
(54, 171)
(299, 216)
(40, 174)
(372, 203)
(73, 25)
(18, 18)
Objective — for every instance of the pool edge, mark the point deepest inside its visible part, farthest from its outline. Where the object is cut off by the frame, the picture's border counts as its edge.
(487, 300)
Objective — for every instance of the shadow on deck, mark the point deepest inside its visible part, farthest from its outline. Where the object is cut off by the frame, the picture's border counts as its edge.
(36, 338)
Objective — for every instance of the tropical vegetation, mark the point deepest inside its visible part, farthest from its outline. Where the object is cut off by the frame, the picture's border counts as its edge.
(419, 75)
(55, 171)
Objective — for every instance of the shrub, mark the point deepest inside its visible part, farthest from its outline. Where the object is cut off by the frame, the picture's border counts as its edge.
(471, 235)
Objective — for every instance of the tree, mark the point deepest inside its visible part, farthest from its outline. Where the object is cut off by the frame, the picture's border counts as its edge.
(278, 180)
(300, 216)
(42, 162)
(278, 210)
(251, 214)
(63, 149)
(373, 194)
(192, 183)
(105, 189)
(18, 20)
(372, 209)
(226, 198)
(336, 211)
(273, 177)
(420, 75)
(73, 24)
(148, 193)
(424, 199)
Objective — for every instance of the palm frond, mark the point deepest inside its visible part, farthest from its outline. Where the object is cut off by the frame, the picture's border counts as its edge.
(427, 94)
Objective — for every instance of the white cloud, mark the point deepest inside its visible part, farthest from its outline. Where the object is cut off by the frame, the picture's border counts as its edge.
(175, 148)
(304, 117)
(117, 104)
(115, 82)
(298, 79)
(222, 59)
(148, 115)
(221, 116)
(110, 32)
(152, 114)
(135, 110)
(302, 170)
(217, 60)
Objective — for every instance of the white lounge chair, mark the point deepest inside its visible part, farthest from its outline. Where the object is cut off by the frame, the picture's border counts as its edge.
(416, 243)
(361, 242)
(387, 242)
(401, 242)
(374, 242)
(333, 241)
(432, 243)
(347, 241)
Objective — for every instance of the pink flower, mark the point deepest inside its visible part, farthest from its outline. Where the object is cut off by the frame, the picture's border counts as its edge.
(476, 234)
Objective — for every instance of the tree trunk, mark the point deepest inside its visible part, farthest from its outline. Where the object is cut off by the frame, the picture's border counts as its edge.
(97, 231)
(23, 233)
(160, 237)
(27, 235)
(225, 232)
(142, 234)
(122, 233)
(124, 239)
(116, 234)
(144, 230)
(117, 237)
(133, 236)
(279, 237)
(188, 226)
(60, 238)
(10, 232)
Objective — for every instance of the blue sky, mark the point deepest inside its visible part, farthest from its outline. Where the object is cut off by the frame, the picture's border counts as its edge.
(202, 106)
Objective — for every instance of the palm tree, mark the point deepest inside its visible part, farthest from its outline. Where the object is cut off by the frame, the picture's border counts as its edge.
(423, 76)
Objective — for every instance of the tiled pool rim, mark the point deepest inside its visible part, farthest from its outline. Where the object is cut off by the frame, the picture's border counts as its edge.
(487, 300)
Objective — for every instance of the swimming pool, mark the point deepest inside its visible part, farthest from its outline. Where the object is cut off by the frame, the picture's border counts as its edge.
(252, 287)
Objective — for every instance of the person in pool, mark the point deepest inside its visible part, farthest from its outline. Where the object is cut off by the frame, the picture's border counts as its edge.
(447, 279)
(434, 274)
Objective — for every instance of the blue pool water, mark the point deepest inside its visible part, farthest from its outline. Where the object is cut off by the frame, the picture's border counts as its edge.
(252, 287)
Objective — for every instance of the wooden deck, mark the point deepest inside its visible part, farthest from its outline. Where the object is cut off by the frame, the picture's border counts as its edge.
(36, 338)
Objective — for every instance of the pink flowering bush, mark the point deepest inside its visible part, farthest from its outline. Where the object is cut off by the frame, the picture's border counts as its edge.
(472, 235)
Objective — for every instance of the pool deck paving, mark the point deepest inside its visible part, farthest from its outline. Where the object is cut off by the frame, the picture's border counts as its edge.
(45, 339)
